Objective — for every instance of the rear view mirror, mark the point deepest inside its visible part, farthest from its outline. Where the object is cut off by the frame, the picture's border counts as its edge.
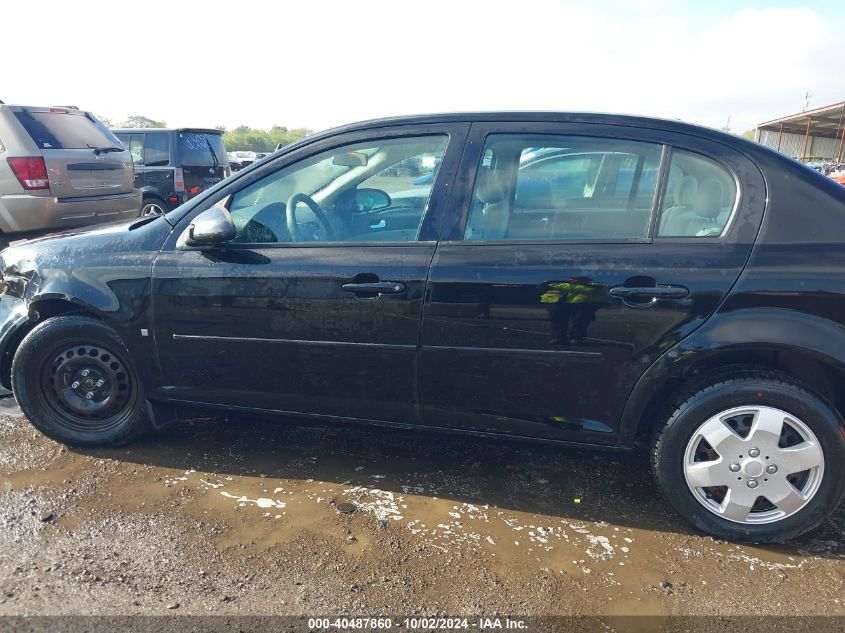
(350, 159)
(210, 228)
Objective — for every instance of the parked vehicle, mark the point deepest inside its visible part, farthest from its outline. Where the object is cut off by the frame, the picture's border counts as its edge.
(608, 281)
(241, 158)
(174, 165)
(837, 173)
(60, 168)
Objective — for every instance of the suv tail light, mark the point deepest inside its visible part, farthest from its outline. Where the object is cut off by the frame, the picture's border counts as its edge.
(31, 172)
(178, 180)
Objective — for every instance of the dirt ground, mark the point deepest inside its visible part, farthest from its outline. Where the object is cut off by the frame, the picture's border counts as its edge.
(252, 516)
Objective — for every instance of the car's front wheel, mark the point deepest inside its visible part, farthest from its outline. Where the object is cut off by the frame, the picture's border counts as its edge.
(753, 456)
(73, 379)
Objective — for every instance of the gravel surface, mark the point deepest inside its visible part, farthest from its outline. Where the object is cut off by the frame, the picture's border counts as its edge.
(249, 516)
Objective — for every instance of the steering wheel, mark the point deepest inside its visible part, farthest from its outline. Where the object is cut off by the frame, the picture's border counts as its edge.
(290, 216)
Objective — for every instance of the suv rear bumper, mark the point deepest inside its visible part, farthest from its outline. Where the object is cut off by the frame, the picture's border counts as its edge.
(23, 213)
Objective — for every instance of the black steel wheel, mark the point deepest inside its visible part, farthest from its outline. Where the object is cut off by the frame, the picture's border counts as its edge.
(73, 379)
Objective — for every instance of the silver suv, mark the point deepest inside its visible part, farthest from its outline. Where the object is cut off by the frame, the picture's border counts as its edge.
(60, 168)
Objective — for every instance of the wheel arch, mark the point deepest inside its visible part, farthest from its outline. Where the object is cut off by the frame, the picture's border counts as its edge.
(40, 309)
(819, 367)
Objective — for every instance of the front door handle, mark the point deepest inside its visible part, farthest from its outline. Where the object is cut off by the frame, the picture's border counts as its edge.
(653, 292)
(375, 288)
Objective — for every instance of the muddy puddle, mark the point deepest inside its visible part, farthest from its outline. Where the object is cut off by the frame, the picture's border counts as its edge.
(590, 525)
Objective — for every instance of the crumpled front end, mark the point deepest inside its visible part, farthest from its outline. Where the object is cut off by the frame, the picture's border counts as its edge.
(18, 282)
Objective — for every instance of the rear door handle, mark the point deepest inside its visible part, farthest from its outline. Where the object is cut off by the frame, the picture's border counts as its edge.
(654, 292)
(375, 288)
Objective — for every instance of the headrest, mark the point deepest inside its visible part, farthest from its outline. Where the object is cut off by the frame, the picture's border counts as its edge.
(685, 191)
(708, 200)
(488, 188)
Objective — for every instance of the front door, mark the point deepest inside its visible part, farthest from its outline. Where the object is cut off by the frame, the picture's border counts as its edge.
(581, 254)
(315, 306)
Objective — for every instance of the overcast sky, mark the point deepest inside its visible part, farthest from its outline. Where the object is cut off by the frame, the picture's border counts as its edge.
(323, 63)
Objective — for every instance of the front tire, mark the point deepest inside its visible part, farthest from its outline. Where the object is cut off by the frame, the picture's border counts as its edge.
(73, 379)
(752, 457)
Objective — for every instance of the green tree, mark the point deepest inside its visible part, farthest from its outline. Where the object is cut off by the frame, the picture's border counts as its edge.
(749, 134)
(245, 138)
(142, 121)
(105, 120)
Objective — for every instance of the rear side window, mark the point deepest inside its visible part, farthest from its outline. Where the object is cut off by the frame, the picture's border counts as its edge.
(65, 130)
(156, 149)
(133, 143)
(538, 187)
(700, 197)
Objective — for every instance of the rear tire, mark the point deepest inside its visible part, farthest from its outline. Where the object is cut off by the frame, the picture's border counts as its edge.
(777, 469)
(74, 380)
(152, 206)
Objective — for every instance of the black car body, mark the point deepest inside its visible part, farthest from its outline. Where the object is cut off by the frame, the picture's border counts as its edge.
(579, 320)
(174, 165)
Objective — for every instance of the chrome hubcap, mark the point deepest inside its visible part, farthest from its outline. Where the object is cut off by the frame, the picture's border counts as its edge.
(753, 465)
(152, 209)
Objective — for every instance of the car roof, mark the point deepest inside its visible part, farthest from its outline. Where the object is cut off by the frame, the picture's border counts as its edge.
(534, 116)
(21, 106)
(528, 116)
(739, 143)
(136, 130)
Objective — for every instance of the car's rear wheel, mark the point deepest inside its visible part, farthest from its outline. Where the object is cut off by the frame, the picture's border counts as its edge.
(74, 381)
(153, 206)
(753, 456)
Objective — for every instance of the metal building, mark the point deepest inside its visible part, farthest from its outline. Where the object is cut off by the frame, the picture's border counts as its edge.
(814, 135)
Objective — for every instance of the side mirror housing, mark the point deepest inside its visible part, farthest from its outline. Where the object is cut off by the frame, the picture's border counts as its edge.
(210, 228)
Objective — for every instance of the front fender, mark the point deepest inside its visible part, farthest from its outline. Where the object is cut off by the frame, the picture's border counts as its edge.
(103, 272)
(726, 333)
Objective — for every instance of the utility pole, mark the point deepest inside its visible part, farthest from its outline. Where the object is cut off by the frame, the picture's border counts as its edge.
(806, 101)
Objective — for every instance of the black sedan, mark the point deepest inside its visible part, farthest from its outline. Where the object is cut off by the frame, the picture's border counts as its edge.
(584, 279)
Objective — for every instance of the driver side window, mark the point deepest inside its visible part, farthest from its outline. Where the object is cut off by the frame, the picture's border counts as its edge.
(375, 191)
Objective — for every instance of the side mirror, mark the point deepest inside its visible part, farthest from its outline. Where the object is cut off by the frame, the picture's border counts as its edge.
(210, 228)
(367, 200)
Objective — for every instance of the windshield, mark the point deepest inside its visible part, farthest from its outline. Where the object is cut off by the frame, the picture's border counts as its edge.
(199, 149)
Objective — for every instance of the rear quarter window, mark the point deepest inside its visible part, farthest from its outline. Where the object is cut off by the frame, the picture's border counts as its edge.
(65, 130)
(700, 197)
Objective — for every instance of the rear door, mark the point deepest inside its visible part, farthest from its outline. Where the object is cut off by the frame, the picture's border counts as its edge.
(579, 254)
(82, 157)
